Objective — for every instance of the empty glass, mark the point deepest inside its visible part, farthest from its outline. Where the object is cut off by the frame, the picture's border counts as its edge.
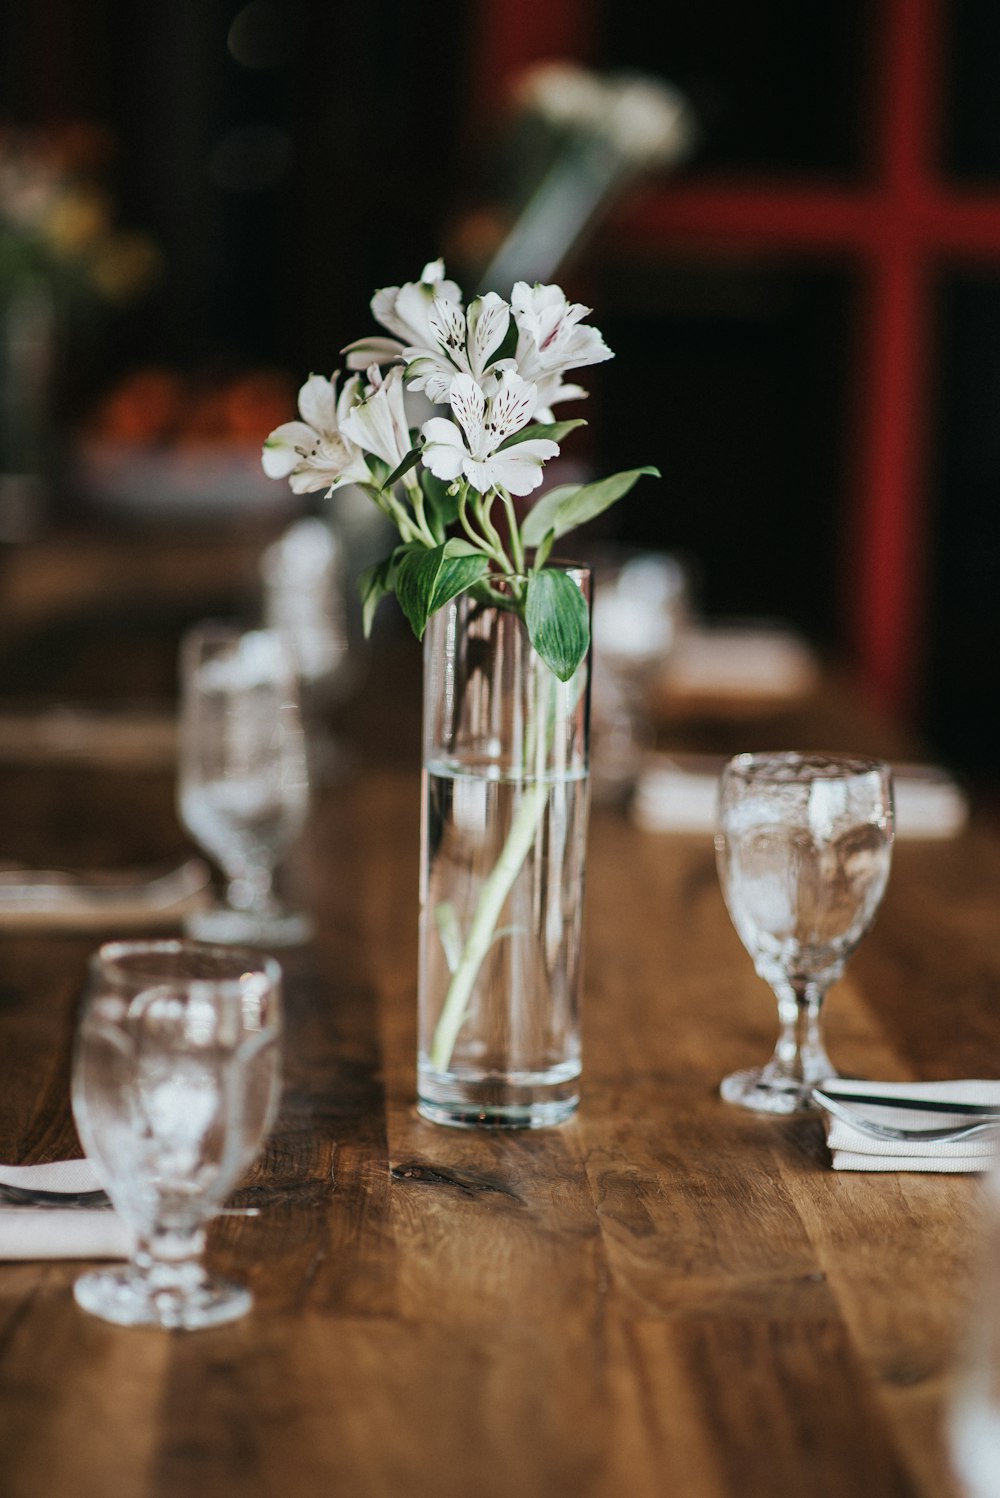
(804, 844)
(243, 783)
(176, 1081)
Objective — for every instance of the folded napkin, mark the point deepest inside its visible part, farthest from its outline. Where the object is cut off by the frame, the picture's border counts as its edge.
(678, 794)
(127, 738)
(57, 1232)
(55, 900)
(739, 671)
(852, 1150)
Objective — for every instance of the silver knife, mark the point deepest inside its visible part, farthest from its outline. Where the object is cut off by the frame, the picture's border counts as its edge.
(915, 1105)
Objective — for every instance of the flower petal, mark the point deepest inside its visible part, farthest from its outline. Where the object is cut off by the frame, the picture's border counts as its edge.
(285, 448)
(348, 397)
(432, 373)
(367, 351)
(306, 480)
(318, 403)
(469, 405)
(414, 306)
(517, 469)
(488, 320)
(383, 305)
(446, 322)
(510, 409)
(444, 451)
(378, 423)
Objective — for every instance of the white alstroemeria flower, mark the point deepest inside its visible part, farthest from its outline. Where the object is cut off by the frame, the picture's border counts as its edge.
(553, 339)
(464, 343)
(404, 311)
(377, 423)
(314, 453)
(483, 423)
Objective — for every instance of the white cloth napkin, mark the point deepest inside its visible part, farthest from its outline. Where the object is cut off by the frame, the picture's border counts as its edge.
(57, 1232)
(679, 793)
(852, 1150)
(53, 900)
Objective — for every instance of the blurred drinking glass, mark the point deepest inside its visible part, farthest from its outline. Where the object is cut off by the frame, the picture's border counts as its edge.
(304, 597)
(176, 1082)
(243, 784)
(640, 608)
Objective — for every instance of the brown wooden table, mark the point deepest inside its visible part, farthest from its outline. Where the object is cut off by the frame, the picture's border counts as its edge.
(664, 1297)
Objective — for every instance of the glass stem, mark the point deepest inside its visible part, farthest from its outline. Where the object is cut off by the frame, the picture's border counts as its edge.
(800, 1053)
(169, 1261)
(250, 889)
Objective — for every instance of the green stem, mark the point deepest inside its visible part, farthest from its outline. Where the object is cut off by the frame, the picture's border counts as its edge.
(416, 498)
(480, 541)
(515, 535)
(407, 530)
(490, 530)
(491, 901)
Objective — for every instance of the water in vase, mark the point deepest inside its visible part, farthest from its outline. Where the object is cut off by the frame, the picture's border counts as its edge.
(501, 909)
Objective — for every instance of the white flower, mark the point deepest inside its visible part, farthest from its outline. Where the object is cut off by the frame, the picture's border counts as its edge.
(470, 444)
(552, 339)
(378, 422)
(464, 343)
(404, 310)
(435, 337)
(314, 453)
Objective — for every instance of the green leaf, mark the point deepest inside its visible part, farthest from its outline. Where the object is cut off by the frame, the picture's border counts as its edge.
(374, 583)
(542, 553)
(554, 430)
(410, 461)
(544, 514)
(563, 509)
(508, 347)
(558, 621)
(428, 578)
(440, 507)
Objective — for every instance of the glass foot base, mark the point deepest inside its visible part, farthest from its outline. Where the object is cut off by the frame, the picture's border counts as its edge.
(767, 1092)
(238, 927)
(461, 1116)
(127, 1298)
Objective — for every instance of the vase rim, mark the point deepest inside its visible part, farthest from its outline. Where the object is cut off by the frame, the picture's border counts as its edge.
(561, 564)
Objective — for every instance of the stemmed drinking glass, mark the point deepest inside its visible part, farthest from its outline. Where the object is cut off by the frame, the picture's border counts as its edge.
(804, 845)
(243, 784)
(176, 1081)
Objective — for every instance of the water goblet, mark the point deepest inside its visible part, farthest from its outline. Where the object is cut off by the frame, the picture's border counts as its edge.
(804, 845)
(243, 782)
(176, 1079)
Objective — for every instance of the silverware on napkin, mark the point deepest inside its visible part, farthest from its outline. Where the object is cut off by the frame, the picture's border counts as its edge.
(911, 1126)
(976, 1120)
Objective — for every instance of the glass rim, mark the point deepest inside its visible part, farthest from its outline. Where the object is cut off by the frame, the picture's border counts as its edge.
(112, 960)
(807, 766)
(576, 570)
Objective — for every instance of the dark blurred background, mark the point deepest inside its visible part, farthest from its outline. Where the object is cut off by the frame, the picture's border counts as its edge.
(286, 157)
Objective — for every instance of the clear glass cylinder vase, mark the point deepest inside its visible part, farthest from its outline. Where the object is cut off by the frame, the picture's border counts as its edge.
(503, 847)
